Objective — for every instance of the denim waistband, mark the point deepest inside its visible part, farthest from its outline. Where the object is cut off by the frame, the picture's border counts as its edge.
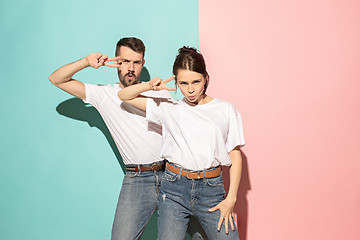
(205, 170)
(144, 165)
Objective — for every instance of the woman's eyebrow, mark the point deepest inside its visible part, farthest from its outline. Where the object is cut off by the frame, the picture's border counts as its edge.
(196, 80)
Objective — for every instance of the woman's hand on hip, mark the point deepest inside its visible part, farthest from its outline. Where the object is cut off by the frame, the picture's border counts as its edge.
(227, 215)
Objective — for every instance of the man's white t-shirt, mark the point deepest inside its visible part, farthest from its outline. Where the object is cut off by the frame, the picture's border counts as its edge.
(138, 141)
(197, 137)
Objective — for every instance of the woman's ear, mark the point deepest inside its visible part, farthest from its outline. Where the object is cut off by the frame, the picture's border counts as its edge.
(176, 83)
(207, 78)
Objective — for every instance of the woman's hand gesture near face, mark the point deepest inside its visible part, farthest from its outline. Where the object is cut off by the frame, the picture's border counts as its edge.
(158, 84)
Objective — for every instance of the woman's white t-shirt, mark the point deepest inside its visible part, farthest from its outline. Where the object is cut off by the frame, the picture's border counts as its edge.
(197, 137)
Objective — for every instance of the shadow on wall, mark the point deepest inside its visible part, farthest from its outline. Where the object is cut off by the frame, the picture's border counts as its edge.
(145, 75)
(241, 207)
(75, 108)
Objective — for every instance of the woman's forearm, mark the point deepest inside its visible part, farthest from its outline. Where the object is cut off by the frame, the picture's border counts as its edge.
(226, 207)
(235, 173)
(133, 91)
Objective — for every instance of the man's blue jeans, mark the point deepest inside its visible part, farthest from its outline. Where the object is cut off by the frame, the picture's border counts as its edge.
(181, 198)
(138, 200)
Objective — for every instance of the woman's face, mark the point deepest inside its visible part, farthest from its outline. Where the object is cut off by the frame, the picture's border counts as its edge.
(191, 84)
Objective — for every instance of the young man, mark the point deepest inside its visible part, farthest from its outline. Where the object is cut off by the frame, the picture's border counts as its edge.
(131, 132)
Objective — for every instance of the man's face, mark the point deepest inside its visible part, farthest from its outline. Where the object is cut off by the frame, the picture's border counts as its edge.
(131, 64)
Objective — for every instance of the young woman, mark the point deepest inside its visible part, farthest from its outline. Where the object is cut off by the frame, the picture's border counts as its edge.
(200, 134)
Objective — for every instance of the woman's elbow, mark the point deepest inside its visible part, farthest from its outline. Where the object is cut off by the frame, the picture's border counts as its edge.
(122, 97)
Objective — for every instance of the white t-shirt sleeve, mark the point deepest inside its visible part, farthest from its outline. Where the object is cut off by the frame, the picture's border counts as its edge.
(235, 135)
(157, 108)
(154, 110)
(165, 94)
(95, 94)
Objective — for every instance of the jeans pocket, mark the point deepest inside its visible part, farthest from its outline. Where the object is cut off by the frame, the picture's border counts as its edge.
(169, 176)
(214, 182)
(131, 174)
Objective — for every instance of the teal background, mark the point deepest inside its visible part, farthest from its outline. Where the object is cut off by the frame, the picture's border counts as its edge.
(59, 176)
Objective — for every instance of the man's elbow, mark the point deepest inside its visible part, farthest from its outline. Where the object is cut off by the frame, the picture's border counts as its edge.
(52, 79)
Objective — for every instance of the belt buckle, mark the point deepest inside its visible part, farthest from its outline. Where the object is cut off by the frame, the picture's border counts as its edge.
(152, 167)
(198, 174)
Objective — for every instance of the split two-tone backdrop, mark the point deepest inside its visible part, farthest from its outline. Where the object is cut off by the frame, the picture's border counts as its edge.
(290, 67)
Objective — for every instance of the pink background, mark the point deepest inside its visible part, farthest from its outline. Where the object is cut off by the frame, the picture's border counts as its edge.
(292, 70)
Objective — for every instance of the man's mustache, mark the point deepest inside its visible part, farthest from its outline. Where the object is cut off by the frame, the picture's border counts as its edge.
(130, 73)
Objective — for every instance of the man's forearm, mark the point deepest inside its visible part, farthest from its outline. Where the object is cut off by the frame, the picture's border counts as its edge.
(65, 73)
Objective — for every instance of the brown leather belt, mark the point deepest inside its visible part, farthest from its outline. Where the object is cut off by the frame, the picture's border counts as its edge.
(153, 167)
(194, 174)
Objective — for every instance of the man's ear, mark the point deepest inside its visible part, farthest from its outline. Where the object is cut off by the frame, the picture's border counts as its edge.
(143, 62)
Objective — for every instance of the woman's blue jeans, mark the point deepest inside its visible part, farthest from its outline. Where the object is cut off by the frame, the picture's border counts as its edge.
(181, 198)
(138, 201)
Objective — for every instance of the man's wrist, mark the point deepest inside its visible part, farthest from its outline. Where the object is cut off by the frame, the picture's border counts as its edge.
(84, 62)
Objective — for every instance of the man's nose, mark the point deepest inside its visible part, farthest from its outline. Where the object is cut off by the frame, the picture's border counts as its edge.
(131, 67)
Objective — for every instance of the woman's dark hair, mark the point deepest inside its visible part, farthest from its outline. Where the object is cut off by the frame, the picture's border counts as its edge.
(189, 58)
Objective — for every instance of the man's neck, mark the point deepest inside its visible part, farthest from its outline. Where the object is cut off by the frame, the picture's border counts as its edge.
(121, 85)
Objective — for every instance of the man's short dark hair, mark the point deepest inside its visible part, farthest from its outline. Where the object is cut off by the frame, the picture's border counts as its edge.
(133, 43)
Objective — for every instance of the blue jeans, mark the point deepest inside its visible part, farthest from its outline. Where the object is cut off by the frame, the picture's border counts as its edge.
(181, 198)
(138, 200)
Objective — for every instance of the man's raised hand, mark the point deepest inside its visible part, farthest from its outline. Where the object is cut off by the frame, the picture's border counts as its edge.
(97, 60)
(158, 84)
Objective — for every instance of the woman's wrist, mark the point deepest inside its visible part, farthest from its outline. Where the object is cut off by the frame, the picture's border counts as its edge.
(151, 86)
(231, 198)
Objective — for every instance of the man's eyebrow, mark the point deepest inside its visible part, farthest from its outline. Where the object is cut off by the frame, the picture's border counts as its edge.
(125, 59)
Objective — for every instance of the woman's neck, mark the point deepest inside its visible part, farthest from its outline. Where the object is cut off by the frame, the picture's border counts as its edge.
(203, 100)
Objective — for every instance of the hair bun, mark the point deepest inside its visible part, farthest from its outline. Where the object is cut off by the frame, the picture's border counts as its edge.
(186, 49)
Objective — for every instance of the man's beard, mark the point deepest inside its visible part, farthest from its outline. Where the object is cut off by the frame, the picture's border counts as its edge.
(125, 82)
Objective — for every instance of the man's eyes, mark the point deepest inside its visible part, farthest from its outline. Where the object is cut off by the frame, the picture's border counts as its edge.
(128, 61)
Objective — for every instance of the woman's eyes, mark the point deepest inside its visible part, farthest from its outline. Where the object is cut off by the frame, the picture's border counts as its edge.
(184, 83)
